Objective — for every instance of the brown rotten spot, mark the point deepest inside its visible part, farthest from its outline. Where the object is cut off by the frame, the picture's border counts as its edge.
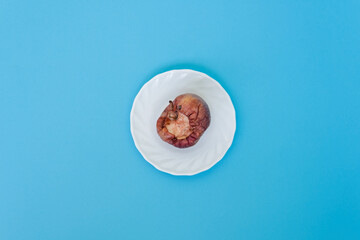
(184, 120)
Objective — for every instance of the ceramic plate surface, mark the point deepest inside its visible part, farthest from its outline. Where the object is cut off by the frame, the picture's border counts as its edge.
(150, 102)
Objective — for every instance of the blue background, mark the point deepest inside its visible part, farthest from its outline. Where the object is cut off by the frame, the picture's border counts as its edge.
(69, 71)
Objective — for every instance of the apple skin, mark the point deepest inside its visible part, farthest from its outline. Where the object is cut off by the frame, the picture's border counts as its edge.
(184, 121)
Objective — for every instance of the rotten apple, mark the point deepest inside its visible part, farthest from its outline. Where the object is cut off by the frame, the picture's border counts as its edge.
(184, 121)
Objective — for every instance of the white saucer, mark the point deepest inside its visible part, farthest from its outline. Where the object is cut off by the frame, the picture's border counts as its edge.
(152, 99)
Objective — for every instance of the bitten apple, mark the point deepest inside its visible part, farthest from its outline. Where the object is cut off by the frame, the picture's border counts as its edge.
(184, 120)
